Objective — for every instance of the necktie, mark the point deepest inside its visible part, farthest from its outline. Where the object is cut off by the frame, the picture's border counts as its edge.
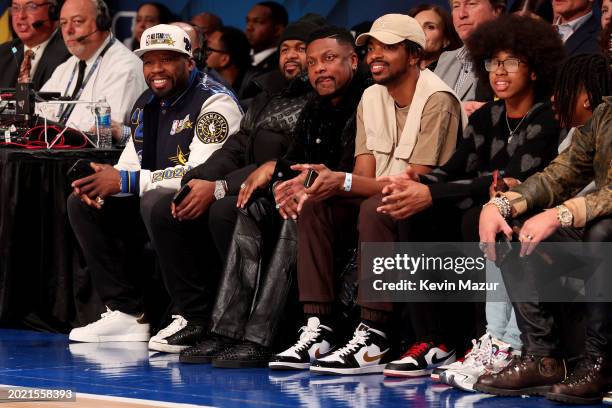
(26, 66)
(79, 83)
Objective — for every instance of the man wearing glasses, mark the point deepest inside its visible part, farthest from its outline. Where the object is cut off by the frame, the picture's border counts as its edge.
(228, 53)
(38, 48)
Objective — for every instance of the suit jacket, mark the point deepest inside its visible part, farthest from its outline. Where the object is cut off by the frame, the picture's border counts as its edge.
(55, 53)
(448, 70)
(584, 40)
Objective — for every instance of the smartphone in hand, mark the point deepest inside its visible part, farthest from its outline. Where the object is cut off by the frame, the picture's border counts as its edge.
(310, 178)
(181, 194)
(81, 168)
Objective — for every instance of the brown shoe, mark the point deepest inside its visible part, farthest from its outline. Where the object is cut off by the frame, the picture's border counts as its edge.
(525, 375)
(587, 384)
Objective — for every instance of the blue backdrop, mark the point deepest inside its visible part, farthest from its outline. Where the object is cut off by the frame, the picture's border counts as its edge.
(341, 12)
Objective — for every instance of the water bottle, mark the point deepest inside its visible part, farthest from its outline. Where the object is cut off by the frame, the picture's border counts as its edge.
(103, 119)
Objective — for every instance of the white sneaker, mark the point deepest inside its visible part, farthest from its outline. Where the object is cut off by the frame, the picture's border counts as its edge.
(495, 356)
(365, 353)
(478, 347)
(159, 342)
(113, 325)
(315, 341)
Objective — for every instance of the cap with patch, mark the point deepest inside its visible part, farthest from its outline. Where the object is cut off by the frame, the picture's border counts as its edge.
(164, 37)
(394, 28)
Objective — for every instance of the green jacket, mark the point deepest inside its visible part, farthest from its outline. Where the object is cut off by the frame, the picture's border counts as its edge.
(588, 158)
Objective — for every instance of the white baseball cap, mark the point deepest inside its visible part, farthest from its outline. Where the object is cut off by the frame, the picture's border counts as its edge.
(394, 28)
(164, 37)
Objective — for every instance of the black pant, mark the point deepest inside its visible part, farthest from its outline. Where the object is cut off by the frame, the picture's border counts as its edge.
(112, 240)
(539, 322)
(190, 254)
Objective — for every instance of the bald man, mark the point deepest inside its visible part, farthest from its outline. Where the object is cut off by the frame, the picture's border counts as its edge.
(100, 67)
(206, 23)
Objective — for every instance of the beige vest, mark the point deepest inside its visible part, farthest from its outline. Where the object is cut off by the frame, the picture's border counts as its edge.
(380, 126)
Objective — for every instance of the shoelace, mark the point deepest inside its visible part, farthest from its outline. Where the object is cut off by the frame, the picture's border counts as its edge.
(306, 337)
(178, 323)
(105, 315)
(416, 349)
(359, 339)
(480, 354)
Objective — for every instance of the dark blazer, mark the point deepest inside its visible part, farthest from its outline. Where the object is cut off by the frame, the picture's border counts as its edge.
(55, 53)
(584, 40)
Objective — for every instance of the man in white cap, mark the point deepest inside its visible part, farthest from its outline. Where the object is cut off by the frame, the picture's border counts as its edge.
(177, 124)
(410, 118)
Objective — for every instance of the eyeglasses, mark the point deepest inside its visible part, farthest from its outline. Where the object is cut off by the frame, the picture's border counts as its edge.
(509, 65)
(208, 51)
(28, 7)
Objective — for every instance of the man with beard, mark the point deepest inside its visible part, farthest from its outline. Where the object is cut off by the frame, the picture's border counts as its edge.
(100, 68)
(176, 125)
(250, 304)
(192, 238)
(411, 117)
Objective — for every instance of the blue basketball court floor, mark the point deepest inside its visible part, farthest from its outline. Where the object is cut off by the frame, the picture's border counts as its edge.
(127, 375)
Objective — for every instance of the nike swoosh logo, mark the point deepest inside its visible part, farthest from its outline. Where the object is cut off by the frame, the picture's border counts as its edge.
(436, 360)
(370, 359)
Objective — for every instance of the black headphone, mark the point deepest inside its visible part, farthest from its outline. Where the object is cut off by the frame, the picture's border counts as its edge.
(104, 22)
(199, 55)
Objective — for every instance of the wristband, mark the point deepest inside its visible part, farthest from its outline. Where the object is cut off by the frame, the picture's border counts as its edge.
(348, 181)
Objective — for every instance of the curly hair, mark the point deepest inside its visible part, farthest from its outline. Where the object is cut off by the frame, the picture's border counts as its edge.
(533, 40)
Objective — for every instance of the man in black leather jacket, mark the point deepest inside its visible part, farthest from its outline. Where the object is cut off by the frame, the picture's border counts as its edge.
(257, 276)
(208, 211)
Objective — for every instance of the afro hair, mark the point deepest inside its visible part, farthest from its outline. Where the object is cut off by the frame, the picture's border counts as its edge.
(533, 40)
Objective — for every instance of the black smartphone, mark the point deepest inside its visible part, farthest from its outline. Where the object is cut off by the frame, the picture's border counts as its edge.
(181, 194)
(310, 178)
(81, 168)
(503, 247)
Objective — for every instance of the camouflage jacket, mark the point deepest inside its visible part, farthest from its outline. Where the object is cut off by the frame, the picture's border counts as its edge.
(588, 158)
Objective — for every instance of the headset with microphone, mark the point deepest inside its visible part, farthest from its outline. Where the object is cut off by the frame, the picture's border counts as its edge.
(53, 16)
(104, 21)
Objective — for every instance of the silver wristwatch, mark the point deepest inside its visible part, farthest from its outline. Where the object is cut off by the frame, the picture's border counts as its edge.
(220, 189)
(565, 216)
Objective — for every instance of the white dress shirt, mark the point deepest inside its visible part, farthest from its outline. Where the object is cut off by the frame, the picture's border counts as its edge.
(262, 55)
(118, 78)
(567, 29)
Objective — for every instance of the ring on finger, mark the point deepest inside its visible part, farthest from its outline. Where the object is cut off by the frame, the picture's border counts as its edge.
(99, 200)
(242, 186)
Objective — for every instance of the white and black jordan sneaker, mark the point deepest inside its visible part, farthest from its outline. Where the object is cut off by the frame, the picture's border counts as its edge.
(420, 359)
(365, 353)
(315, 341)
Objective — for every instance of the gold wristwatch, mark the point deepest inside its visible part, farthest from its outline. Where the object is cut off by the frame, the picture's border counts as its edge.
(565, 216)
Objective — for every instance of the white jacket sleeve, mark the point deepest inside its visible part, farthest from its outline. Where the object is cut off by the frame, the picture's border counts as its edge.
(219, 119)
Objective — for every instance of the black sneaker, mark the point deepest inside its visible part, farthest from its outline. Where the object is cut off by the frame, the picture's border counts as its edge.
(420, 359)
(177, 336)
(204, 351)
(245, 354)
(365, 353)
(315, 341)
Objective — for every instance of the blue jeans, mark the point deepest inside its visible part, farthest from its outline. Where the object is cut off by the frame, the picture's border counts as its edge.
(501, 320)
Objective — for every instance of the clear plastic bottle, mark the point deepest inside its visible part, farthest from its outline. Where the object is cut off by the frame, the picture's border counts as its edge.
(103, 119)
